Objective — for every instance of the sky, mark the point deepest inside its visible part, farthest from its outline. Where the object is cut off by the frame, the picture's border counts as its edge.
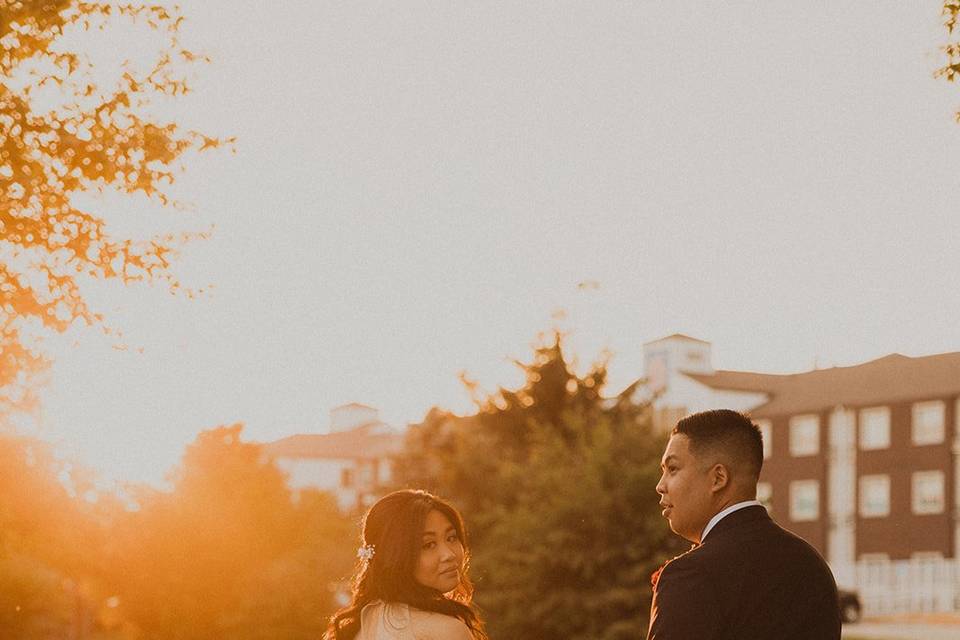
(417, 190)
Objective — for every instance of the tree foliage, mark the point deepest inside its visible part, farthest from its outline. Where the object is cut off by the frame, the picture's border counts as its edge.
(50, 541)
(951, 69)
(557, 483)
(64, 129)
(229, 553)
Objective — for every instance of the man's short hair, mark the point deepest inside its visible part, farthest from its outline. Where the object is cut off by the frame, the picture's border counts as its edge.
(726, 434)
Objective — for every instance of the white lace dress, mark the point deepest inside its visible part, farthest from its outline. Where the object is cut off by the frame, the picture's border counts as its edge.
(385, 621)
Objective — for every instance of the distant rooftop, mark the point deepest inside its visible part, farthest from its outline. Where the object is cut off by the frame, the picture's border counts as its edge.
(349, 416)
(677, 335)
(353, 405)
(366, 442)
(892, 378)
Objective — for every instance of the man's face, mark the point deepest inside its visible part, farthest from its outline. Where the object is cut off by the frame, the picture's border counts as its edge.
(684, 489)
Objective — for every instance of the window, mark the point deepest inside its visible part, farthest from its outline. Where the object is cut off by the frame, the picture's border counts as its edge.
(765, 494)
(346, 477)
(766, 430)
(875, 428)
(928, 492)
(364, 474)
(804, 436)
(385, 471)
(804, 500)
(874, 496)
(928, 422)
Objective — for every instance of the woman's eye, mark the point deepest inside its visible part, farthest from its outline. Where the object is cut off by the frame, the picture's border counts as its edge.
(429, 545)
(453, 538)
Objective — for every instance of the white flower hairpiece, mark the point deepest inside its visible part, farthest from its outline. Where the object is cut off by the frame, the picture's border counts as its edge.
(366, 552)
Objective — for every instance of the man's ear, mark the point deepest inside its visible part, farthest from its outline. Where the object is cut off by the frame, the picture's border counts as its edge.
(719, 477)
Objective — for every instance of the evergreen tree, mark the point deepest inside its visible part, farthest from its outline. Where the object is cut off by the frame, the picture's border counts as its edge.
(557, 484)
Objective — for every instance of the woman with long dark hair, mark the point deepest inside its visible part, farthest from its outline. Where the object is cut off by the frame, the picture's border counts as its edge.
(411, 581)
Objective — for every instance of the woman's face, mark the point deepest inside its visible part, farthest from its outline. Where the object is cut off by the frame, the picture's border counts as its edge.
(441, 554)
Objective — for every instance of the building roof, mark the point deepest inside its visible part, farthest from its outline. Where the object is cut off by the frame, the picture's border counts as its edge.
(892, 378)
(739, 380)
(677, 335)
(369, 441)
(353, 405)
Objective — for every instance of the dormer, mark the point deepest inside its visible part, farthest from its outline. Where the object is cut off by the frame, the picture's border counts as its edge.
(353, 415)
(665, 357)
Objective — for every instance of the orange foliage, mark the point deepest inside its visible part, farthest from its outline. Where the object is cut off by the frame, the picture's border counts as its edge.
(951, 70)
(98, 139)
(50, 541)
(228, 553)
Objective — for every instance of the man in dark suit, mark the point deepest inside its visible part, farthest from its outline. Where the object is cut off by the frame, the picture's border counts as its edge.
(745, 577)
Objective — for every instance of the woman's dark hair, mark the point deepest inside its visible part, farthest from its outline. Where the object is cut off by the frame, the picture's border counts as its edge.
(394, 527)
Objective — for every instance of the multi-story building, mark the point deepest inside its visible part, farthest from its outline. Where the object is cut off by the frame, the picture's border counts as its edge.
(353, 460)
(862, 461)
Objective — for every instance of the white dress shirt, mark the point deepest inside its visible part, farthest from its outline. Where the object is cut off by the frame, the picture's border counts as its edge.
(723, 514)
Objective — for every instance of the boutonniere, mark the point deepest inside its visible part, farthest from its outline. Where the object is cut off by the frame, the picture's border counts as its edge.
(655, 576)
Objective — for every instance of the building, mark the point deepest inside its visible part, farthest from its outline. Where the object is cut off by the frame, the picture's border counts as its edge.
(671, 365)
(352, 461)
(862, 461)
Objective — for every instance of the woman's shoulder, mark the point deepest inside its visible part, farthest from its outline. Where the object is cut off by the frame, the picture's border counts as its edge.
(428, 625)
(385, 621)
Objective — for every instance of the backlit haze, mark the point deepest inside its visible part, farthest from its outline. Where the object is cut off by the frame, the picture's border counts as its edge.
(419, 189)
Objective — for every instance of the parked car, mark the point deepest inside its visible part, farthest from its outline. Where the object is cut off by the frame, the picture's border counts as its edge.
(849, 605)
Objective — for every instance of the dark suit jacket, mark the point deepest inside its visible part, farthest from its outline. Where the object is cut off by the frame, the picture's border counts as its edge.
(749, 580)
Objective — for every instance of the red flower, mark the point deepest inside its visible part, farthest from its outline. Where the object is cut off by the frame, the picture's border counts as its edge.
(655, 576)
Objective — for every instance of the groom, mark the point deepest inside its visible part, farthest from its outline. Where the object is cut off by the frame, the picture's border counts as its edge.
(745, 577)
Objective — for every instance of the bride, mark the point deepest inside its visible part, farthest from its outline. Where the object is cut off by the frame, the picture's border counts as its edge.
(411, 581)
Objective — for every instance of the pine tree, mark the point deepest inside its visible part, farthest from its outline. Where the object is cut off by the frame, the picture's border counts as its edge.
(557, 484)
